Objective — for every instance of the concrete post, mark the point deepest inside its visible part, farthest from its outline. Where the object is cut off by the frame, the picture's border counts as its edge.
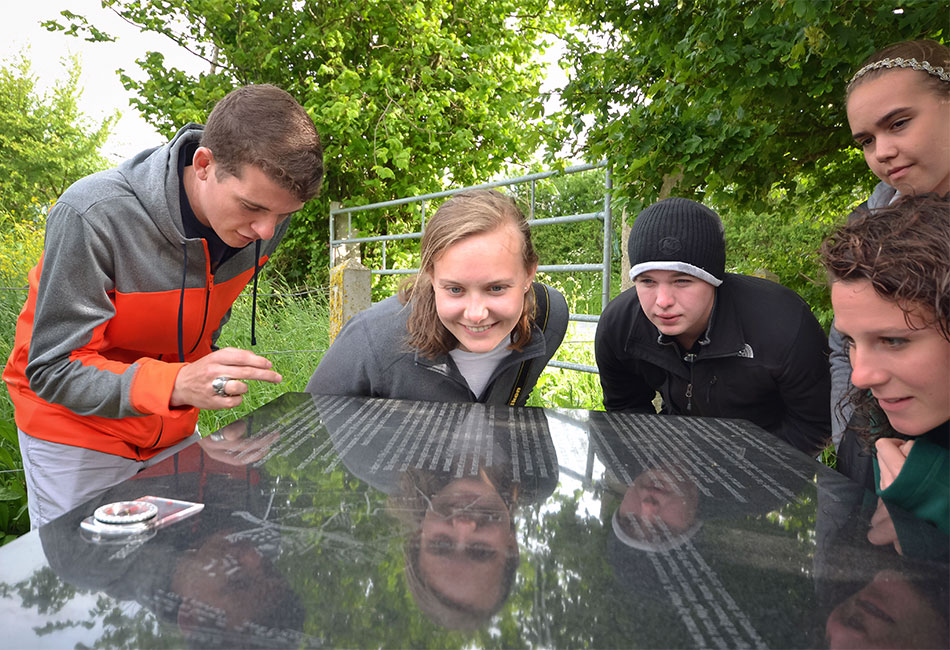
(350, 284)
(341, 230)
(625, 281)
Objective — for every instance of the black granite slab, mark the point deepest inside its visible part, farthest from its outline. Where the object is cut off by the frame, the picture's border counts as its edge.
(358, 523)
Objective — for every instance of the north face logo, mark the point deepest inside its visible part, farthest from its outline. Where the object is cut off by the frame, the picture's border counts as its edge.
(670, 245)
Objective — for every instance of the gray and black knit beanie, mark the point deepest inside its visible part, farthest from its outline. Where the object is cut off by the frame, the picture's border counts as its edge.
(678, 235)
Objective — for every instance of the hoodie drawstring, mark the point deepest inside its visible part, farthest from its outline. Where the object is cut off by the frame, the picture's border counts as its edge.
(181, 306)
(181, 299)
(257, 259)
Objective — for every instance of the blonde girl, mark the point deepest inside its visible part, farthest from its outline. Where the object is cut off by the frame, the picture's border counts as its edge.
(473, 326)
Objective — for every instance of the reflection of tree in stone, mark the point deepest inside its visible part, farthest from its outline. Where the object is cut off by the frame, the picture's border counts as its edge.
(42, 590)
(55, 626)
(767, 559)
(569, 595)
(123, 626)
(122, 629)
(343, 555)
(563, 596)
(347, 565)
(799, 518)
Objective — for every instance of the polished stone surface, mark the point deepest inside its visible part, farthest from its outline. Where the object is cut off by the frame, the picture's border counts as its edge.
(342, 522)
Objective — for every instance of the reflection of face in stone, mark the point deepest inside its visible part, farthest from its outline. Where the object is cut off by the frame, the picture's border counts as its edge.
(887, 613)
(466, 540)
(657, 496)
(225, 582)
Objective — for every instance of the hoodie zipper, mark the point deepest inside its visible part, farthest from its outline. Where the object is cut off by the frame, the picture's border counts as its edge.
(209, 285)
(690, 358)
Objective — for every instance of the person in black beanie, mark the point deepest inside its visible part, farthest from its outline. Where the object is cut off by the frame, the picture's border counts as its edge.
(712, 343)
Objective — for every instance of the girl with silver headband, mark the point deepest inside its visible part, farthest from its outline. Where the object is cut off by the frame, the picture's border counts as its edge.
(898, 107)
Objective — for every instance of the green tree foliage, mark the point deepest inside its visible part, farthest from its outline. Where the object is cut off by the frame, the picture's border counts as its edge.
(739, 104)
(736, 96)
(410, 97)
(46, 143)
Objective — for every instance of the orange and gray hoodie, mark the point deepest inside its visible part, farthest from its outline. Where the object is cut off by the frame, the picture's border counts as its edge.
(119, 301)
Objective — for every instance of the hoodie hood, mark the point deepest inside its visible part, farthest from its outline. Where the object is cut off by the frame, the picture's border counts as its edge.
(152, 176)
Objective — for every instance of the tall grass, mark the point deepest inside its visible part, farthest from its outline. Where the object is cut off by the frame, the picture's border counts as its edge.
(571, 388)
(292, 331)
(14, 520)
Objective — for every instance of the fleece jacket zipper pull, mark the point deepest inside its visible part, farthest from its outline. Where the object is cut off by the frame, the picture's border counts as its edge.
(689, 358)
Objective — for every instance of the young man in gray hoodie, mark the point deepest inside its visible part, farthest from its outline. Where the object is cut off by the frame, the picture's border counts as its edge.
(115, 347)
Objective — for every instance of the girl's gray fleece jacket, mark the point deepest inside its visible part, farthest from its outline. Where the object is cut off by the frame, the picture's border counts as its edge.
(370, 358)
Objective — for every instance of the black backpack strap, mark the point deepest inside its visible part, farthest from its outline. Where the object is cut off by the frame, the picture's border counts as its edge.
(542, 312)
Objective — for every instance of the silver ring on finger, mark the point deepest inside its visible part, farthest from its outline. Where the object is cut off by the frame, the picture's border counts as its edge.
(218, 385)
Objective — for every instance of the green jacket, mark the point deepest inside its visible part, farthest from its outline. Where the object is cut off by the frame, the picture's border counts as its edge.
(923, 485)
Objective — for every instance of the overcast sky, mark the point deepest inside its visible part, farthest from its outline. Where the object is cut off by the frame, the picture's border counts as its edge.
(102, 91)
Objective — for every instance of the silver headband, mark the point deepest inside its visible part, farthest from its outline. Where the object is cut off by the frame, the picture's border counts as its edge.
(900, 62)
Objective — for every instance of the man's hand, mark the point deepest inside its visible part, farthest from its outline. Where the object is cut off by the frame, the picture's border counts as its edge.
(229, 444)
(193, 386)
(891, 454)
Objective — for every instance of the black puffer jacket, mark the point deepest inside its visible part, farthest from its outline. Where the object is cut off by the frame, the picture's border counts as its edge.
(764, 358)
